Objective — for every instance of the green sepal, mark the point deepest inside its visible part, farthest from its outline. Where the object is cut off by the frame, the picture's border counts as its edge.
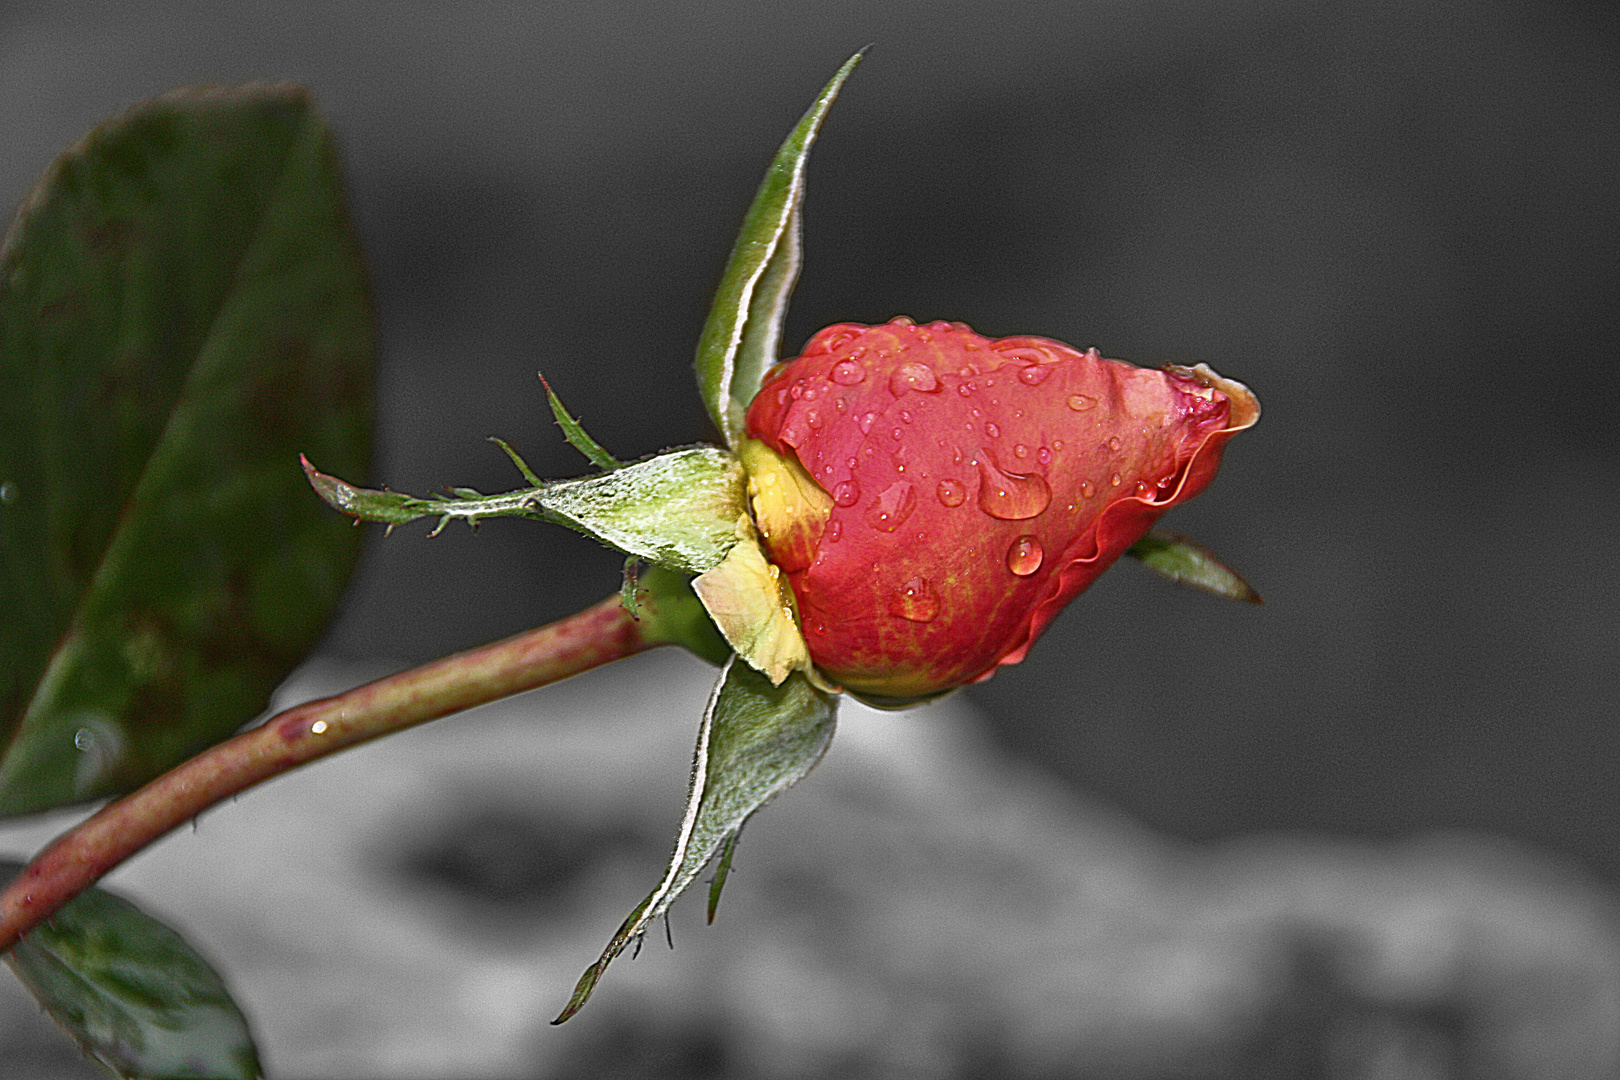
(396, 508)
(1187, 562)
(132, 993)
(740, 336)
(575, 434)
(663, 602)
(679, 509)
(755, 741)
(722, 870)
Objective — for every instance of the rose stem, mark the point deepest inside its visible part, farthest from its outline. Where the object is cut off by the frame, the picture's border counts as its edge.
(78, 858)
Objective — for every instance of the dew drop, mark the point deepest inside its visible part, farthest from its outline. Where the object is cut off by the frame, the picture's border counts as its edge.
(1024, 556)
(906, 417)
(916, 600)
(1080, 402)
(1057, 444)
(835, 530)
(866, 421)
(1020, 450)
(889, 510)
(1035, 374)
(992, 430)
(1044, 456)
(1166, 481)
(1087, 489)
(847, 493)
(847, 373)
(813, 417)
(965, 389)
(898, 434)
(1114, 444)
(1114, 480)
(1141, 487)
(913, 375)
(1011, 496)
(951, 492)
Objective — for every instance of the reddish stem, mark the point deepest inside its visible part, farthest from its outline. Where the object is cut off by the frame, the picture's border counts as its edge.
(79, 858)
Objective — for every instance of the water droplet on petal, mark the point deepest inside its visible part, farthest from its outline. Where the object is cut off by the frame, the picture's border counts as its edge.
(813, 417)
(866, 421)
(847, 373)
(992, 430)
(835, 530)
(1044, 456)
(1011, 496)
(913, 375)
(1080, 402)
(916, 600)
(847, 493)
(1114, 480)
(951, 492)
(906, 417)
(1020, 450)
(1087, 489)
(889, 510)
(965, 389)
(1024, 556)
(1114, 444)
(1035, 374)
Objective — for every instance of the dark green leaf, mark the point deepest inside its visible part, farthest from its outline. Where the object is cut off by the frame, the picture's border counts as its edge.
(1187, 562)
(132, 993)
(756, 740)
(575, 434)
(182, 309)
(744, 326)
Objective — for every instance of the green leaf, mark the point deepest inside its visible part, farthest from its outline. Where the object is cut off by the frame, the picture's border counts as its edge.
(1187, 562)
(575, 434)
(132, 993)
(740, 338)
(182, 309)
(755, 742)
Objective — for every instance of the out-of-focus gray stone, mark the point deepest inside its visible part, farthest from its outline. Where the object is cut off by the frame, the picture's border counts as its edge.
(921, 906)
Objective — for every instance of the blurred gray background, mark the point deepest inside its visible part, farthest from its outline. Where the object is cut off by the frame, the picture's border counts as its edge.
(1398, 223)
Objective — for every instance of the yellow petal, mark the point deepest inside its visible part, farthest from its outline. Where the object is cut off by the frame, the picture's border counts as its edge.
(752, 605)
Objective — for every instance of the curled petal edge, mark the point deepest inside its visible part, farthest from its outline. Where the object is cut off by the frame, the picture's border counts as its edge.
(1079, 570)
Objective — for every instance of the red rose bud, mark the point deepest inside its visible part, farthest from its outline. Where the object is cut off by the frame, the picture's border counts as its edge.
(935, 497)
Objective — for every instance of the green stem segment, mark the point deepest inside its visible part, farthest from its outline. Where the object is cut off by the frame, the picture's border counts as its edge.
(304, 733)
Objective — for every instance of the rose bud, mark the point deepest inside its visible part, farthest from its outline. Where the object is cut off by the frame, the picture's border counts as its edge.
(935, 497)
